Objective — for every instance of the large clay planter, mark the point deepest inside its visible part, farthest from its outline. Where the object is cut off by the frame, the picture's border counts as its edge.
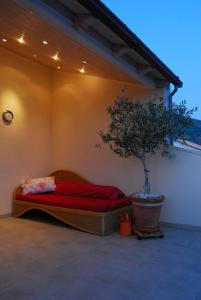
(147, 213)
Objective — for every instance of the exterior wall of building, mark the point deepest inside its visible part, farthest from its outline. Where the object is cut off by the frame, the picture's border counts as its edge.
(79, 105)
(79, 112)
(57, 119)
(25, 89)
(179, 180)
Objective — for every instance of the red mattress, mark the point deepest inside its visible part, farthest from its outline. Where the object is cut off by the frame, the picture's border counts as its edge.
(87, 204)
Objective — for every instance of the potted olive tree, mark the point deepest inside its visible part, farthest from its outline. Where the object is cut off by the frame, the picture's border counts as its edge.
(141, 129)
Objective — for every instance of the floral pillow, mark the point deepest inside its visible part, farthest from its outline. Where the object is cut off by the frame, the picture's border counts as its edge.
(38, 185)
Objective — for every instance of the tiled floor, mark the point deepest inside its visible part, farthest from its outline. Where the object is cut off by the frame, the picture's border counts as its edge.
(47, 260)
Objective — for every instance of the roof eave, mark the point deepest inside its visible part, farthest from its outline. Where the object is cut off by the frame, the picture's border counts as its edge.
(106, 16)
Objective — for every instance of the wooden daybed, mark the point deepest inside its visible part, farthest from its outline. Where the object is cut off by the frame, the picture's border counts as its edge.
(100, 223)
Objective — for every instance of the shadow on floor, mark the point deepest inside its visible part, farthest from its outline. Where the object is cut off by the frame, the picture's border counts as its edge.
(40, 216)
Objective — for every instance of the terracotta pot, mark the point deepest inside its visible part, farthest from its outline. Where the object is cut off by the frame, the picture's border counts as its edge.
(147, 213)
(125, 225)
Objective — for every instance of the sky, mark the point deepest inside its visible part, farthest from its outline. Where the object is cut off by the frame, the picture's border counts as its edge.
(172, 30)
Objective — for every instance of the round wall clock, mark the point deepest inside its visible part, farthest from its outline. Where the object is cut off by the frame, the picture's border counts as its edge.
(7, 116)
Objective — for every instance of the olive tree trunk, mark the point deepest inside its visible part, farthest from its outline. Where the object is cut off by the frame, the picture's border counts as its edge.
(147, 187)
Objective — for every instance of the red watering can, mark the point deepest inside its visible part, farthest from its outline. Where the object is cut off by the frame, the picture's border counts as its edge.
(125, 225)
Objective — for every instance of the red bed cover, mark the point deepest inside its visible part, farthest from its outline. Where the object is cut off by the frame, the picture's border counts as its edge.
(87, 204)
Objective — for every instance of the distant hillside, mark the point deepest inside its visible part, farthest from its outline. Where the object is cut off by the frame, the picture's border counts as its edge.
(194, 133)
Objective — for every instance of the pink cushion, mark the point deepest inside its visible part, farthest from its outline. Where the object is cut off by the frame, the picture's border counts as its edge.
(38, 185)
(88, 190)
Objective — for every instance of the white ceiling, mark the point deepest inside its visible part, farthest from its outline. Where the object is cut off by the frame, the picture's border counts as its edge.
(15, 21)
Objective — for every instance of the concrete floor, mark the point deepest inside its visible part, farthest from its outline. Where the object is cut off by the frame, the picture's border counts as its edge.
(45, 260)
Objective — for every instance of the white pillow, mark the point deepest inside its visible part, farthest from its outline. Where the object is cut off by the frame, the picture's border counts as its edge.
(38, 185)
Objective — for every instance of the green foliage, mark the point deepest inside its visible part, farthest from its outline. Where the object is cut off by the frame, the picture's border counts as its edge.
(179, 117)
(141, 128)
(138, 128)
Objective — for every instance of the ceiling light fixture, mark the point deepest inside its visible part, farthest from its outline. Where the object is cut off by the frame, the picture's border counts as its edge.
(58, 67)
(56, 56)
(45, 42)
(35, 55)
(84, 63)
(21, 39)
(4, 40)
(82, 70)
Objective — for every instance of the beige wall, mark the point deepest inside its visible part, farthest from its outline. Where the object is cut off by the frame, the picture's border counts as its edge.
(79, 112)
(57, 119)
(180, 181)
(79, 105)
(25, 145)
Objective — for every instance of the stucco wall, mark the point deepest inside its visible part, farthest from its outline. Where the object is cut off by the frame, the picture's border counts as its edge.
(57, 119)
(180, 181)
(79, 105)
(25, 149)
(79, 112)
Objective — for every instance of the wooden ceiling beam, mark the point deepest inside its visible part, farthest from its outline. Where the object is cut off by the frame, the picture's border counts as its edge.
(83, 21)
(120, 50)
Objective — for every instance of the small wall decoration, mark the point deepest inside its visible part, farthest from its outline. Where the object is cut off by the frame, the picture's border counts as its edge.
(7, 117)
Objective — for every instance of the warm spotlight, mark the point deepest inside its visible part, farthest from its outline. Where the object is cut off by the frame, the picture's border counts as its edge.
(58, 67)
(56, 56)
(21, 39)
(4, 40)
(84, 63)
(45, 42)
(82, 70)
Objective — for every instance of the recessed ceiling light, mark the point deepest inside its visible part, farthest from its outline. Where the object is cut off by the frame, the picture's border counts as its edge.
(35, 55)
(21, 39)
(82, 70)
(56, 56)
(4, 40)
(45, 42)
(58, 67)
